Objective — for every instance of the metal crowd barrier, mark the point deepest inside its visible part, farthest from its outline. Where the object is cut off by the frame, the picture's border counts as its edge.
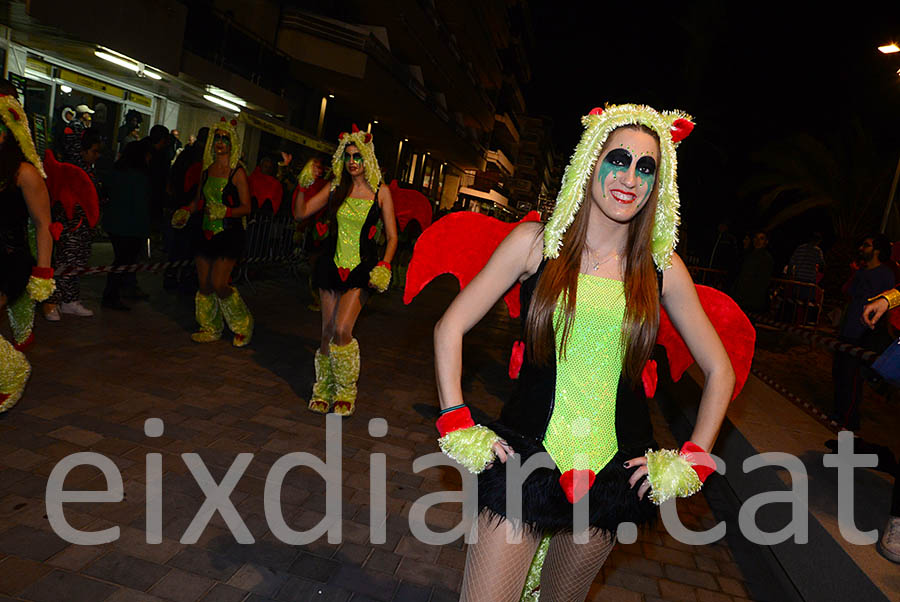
(791, 302)
(269, 237)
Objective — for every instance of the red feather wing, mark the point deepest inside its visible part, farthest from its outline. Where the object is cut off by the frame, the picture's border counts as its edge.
(265, 189)
(732, 326)
(459, 244)
(69, 185)
(410, 205)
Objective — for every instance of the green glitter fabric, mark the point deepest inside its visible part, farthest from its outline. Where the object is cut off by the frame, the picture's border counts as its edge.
(350, 217)
(582, 429)
(214, 209)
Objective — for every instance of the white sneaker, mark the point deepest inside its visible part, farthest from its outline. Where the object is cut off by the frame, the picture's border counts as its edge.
(52, 315)
(889, 545)
(75, 308)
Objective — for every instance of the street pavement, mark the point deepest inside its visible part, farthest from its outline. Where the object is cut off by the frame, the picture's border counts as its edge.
(96, 380)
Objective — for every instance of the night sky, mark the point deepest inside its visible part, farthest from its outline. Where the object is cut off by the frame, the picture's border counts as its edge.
(751, 74)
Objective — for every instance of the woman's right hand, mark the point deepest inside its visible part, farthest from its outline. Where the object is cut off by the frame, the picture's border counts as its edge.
(180, 217)
(502, 450)
(873, 311)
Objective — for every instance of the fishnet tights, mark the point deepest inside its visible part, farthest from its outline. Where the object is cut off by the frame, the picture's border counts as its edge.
(496, 570)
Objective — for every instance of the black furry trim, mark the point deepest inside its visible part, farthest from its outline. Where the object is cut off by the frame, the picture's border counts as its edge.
(544, 504)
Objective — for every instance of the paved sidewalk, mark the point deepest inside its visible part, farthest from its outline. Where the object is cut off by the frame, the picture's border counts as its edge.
(97, 379)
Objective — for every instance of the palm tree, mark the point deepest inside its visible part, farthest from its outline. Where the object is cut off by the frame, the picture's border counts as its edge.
(841, 172)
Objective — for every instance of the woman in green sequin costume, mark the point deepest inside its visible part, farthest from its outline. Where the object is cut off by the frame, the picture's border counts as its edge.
(591, 298)
(348, 269)
(23, 281)
(224, 198)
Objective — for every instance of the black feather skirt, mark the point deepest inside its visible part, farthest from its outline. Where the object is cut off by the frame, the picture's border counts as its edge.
(545, 507)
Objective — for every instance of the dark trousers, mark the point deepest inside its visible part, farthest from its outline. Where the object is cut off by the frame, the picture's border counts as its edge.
(127, 249)
(847, 374)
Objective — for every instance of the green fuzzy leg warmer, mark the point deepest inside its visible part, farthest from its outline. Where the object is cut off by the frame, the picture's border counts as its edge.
(472, 447)
(21, 318)
(345, 367)
(14, 373)
(209, 317)
(670, 475)
(323, 388)
(238, 317)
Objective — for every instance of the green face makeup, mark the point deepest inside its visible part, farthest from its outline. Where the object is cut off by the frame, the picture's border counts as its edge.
(355, 157)
(618, 161)
(223, 138)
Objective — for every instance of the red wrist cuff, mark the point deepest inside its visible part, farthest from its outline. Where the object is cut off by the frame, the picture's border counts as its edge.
(460, 418)
(45, 273)
(702, 463)
(385, 264)
(185, 208)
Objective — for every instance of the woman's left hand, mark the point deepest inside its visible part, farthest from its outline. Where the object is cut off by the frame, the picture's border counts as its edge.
(639, 474)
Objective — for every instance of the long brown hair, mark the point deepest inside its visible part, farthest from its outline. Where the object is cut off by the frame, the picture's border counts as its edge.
(11, 155)
(559, 283)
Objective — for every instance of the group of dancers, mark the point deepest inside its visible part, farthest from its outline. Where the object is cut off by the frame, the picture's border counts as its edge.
(593, 282)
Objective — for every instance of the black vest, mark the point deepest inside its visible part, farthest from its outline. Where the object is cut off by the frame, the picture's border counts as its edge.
(530, 407)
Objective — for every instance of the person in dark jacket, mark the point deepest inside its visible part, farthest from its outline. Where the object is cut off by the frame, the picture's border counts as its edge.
(127, 215)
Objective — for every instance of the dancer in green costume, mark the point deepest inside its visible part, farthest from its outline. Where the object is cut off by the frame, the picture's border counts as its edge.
(593, 281)
(23, 194)
(224, 198)
(359, 207)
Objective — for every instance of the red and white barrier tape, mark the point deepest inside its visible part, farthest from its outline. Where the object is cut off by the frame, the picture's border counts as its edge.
(156, 267)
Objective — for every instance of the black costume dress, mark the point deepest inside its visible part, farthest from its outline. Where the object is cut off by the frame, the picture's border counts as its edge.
(15, 257)
(229, 243)
(523, 423)
(326, 274)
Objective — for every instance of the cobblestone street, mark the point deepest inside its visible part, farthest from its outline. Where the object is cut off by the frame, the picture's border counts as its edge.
(96, 380)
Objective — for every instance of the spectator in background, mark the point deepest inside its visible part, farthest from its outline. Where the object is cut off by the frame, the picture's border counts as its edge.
(129, 131)
(73, 249)
(126, 218)
(184, 178)
(73, 133)
(870, 280)
(751, 288)
(807, 262)
(160, 143)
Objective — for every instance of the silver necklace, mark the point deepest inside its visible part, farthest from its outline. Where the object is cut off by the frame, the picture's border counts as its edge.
(597, 263)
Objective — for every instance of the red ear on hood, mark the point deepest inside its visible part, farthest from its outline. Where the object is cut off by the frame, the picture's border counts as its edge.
(354, 129)
(234, 122)
(341, 135)
(596, 111)
(681, 129)
(367, 138)
(222, 118)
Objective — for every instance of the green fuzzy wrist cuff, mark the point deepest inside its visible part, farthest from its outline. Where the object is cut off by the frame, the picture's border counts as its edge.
(380, 277)
(472, 447)
(670, 475)
(40, 289)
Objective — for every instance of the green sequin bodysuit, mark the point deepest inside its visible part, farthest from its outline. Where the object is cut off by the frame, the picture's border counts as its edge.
(582, 429)
(213, 189)
(350, 218)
